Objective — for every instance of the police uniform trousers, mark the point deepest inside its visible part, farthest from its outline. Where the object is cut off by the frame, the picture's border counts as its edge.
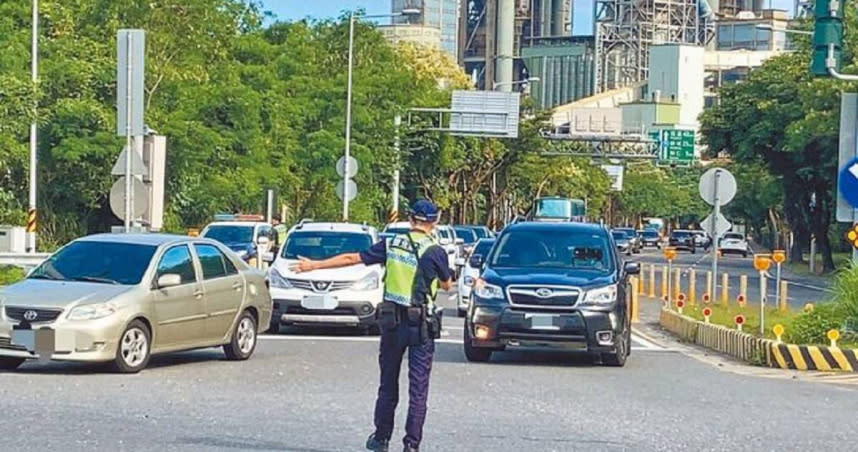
(394, 342)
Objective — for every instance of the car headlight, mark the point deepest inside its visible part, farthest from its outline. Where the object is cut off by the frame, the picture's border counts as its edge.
(276, 280)
(603, 296)
(92, 311)
(368, 282)
(469, 281)
(487, 291)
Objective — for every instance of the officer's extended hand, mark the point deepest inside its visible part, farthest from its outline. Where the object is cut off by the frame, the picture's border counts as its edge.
(303, 265)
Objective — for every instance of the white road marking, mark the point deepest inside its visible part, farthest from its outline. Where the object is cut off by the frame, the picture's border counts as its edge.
(854, 170)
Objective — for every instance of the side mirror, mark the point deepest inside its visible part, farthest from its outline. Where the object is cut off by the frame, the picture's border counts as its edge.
(460, 262)
(268, 257)
(262, 241)
(445, 241)
(460, 241)
(476, 261)
(169, 280)
(632, 268)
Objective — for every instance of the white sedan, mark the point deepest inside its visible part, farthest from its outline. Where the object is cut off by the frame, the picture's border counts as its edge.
(735, 243)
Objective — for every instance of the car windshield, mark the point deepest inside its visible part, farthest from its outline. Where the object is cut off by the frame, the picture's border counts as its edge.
(619, 235)
(227, 234)
(734, 236)
(483, 247)
(482, 232)
(394, 231)
(680, 234)
(648, 233)
(560, 248)
(466, 234)
(628, 231)
(100, 262)
(324, 244)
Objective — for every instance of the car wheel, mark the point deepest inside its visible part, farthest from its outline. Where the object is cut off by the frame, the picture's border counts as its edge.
(475, 354)
(8, 363)
(133, 349)
(243, 341)
(621, 352)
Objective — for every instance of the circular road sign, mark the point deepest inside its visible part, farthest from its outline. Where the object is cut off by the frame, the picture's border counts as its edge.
(352, 189)
(352, 167)
(726, 186)
(707, 312)
(847, 182)
(833, 335)
(740, 319)
(139, 197)
(778, 330)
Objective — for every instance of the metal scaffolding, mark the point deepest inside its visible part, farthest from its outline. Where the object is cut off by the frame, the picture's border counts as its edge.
(625, 29)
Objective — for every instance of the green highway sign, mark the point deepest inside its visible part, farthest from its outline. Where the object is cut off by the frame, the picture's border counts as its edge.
(676, 146)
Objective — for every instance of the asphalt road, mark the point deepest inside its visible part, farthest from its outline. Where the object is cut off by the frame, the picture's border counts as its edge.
(800, 291)
(314, 391)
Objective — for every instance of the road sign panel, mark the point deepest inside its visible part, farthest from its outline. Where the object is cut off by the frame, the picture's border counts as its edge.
(352, 169)
(138, 168)
(720, 226)
(847, 182)
(139, 198)
(726, 186)
(352, 189)
(676, 145)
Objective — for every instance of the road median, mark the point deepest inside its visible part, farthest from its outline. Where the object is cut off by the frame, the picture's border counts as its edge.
(757, 351)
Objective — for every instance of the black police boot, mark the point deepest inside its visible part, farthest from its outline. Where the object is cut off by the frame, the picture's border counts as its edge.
(377, 445)
(409, 448)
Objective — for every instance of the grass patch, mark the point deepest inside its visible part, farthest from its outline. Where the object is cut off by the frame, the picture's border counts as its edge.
(725, 316)
(841, 262)
(10, 274)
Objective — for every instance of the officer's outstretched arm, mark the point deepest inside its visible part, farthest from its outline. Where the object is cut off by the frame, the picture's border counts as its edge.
(342, 260)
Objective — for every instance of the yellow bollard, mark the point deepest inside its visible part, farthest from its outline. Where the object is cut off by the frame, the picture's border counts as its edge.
(783, 302)
(709, 288)
(635, 302)
(664, 277)
(725, 289)
(743, 286)
(677, 275)
(639, 287)
(652, 280)
(692, 287)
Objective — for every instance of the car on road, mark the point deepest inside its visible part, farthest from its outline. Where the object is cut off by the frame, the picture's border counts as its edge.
(346, 297)
(555, 286)
(702, 240)
(121, 298)
(683, 239)
(623, 242)
(634, 239)
(649, 237)
(469, 238)
(734, 243)
(241, 237)
(470, 273)
(483, 232)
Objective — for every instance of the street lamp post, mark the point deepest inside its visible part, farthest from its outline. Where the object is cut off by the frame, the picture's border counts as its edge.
(31, 211)
(408, 12)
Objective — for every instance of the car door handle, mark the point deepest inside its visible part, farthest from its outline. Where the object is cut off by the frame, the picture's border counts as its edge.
(237, 286)
(198, 293)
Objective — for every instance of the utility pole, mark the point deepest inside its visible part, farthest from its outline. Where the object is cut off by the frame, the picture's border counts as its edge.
(397, 122)
(32, 217)
(349, 115)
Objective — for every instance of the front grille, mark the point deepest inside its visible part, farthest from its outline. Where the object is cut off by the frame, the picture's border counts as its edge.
(319, 286)
(544, 296)
(6, 343)
(42, 315)
(304, 311)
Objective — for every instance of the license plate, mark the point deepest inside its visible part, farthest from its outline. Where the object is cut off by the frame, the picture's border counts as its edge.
(542, 322)
(319, 302)
(41, 341)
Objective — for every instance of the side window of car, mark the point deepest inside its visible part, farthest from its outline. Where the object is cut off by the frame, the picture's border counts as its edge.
(211, 261)
(177, 260)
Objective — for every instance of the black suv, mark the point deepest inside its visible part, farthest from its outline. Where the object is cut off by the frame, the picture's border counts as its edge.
(559, 286)
(683, 239)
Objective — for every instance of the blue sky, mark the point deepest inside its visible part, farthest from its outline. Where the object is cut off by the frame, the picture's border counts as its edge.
(299, 9)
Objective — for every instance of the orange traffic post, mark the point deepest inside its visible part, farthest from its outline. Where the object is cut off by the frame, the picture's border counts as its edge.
(783, 296)
(692, 287)
(779, 256)
(725, 289)
(677, 280)
(762, 264)
(664, 278)
(640, 283)
(652, 281)
(709, 289)
(743, 286)
(635, 302)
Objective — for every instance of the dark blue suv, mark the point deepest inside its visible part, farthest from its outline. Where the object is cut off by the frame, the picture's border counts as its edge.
(556, 286)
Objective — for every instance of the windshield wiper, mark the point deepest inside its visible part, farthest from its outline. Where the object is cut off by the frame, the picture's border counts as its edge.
(49, 277)
(95, 279)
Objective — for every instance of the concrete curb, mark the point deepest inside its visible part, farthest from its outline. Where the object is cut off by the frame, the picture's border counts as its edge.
(753, 350)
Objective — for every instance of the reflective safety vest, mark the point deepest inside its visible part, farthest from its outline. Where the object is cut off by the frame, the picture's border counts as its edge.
(401, 267)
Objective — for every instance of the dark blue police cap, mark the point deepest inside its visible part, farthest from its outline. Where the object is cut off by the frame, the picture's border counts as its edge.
(424, 210)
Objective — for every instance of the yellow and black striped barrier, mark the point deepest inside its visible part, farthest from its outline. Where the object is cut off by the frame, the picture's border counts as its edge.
(811, 357)
(31, 220)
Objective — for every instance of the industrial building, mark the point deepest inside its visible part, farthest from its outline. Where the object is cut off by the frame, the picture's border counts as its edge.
(440, 15)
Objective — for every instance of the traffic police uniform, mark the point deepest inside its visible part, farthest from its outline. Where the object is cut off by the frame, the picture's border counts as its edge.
(414, 264)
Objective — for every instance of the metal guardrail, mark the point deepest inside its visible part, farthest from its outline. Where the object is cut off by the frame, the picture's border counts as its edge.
(23, 259)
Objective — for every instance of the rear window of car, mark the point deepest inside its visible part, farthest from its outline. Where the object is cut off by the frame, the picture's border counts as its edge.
(734, 236)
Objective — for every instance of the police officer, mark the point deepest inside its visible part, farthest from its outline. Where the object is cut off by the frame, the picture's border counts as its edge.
(415, 267)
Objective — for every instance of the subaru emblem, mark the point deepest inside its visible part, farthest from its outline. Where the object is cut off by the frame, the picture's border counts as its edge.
(30, 315)
(543, 292)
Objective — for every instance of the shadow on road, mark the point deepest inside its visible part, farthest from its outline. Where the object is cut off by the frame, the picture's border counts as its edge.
(157, 361)
(454, 353)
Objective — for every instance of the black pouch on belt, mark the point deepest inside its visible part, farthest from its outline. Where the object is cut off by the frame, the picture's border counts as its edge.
(435, 325)
(417, 319)
(387, 316)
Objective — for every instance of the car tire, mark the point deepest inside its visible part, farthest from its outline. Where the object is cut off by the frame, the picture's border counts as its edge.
(617, 358)
(9, 363)
(244, 338)
(475, 354)
(134, 348)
